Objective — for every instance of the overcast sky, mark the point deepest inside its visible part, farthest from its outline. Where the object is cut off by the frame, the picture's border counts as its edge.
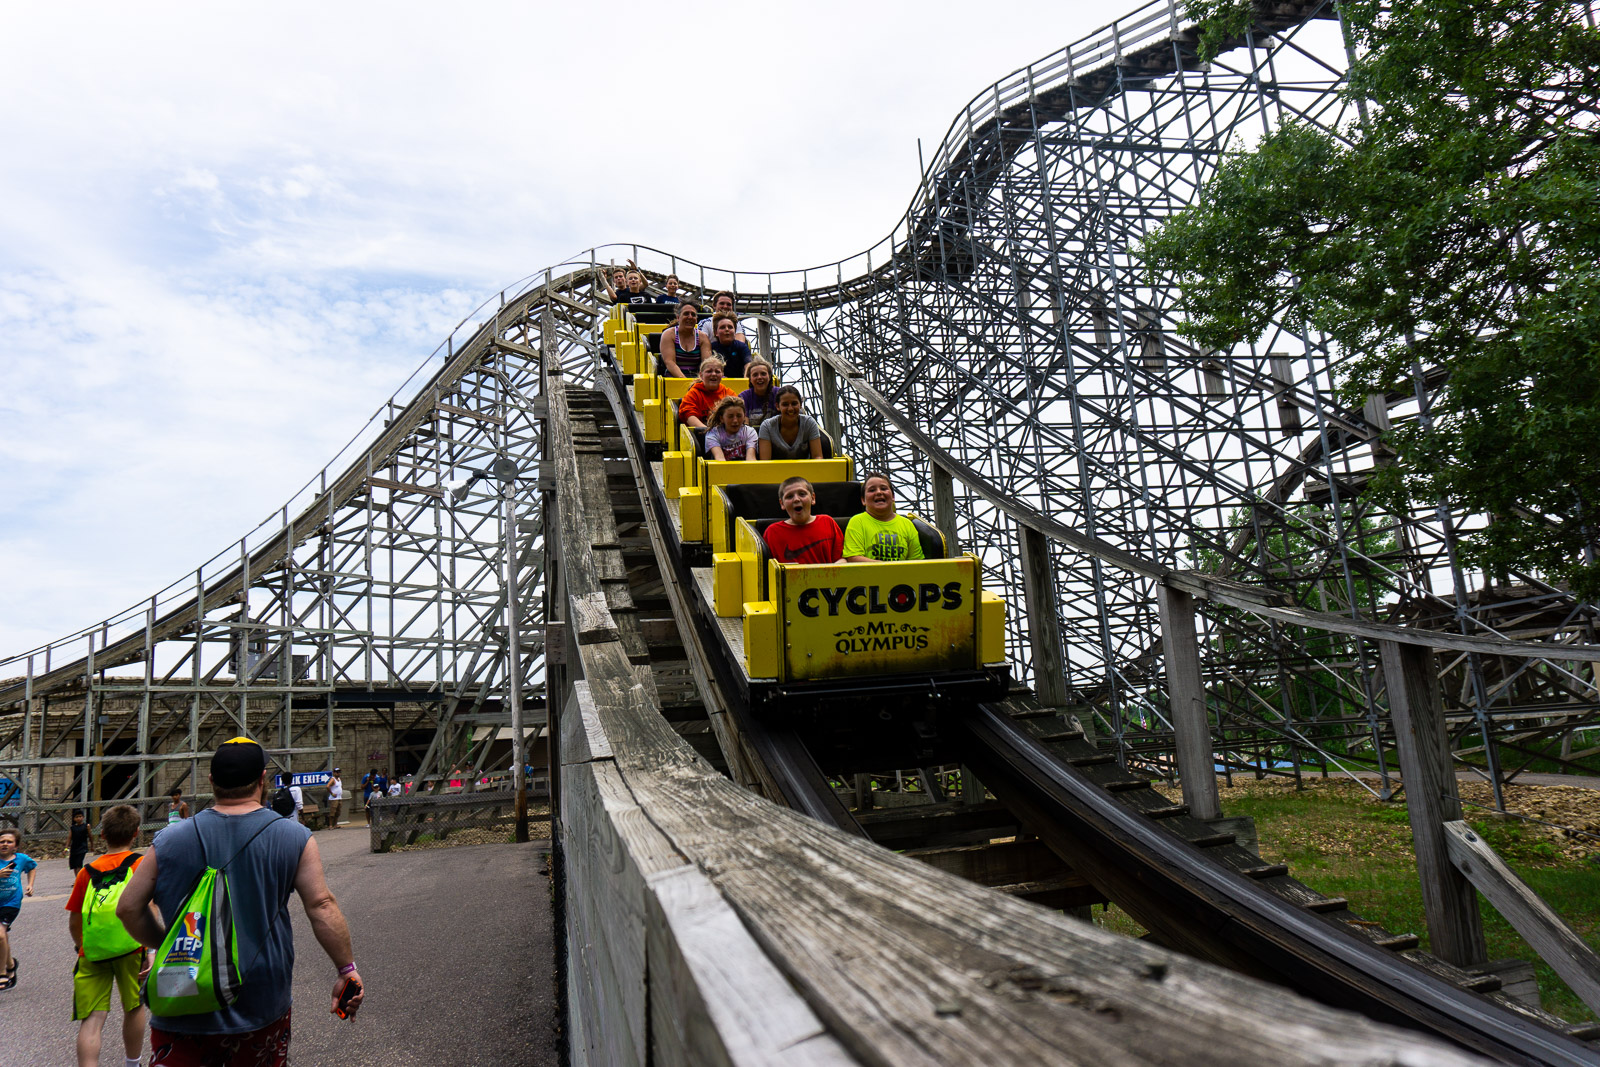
(228, 232)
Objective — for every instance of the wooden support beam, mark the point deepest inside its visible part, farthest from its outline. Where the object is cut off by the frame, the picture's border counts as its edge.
(1417, 708)
(1549, 935)
(512, 346)
(944, 506)
(972, 791)
(1001, 864)
(467, 413)
(1186, 692)
(1044, 620)
(830, 406)
(405, 487)
(764, 339)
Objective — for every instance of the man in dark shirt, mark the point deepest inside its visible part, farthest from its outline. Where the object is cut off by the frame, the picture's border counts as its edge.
(634, 293)
(725, 344)
(266, 858)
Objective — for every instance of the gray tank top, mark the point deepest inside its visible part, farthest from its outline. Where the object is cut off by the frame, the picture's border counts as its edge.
(259, 882)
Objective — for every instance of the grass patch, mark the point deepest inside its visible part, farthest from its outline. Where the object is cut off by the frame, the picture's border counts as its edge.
(1342, 842)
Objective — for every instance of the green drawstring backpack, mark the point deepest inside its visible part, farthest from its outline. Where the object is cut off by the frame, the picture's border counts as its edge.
(197, 966)
(104, 936)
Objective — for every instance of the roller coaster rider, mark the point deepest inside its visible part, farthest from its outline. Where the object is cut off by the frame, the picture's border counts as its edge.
(722, 304)
(790, 434)
(617, 285)
(760, 400)
(803, 537)
(683, 360)
(878, 535)
(729, 438)
(634, 293)
(726, 346)
(703, 395)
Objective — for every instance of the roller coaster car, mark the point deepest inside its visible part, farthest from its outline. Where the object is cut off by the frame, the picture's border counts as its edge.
(653, 314)
(682, 463)
(631, 335)
(819, 641)
(655, 398)
(704, 525)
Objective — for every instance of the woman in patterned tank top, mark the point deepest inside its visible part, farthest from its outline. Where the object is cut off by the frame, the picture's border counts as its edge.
(683, 346)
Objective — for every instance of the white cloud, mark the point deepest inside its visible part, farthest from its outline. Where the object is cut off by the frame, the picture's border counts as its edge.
(231, 232)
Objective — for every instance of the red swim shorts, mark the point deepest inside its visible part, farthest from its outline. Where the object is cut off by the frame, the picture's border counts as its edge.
(266, 1047)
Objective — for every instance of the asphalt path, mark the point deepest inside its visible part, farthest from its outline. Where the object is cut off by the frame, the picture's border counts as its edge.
(455, 945)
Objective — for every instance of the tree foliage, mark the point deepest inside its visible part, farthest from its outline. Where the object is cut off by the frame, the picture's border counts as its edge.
(1456, 226)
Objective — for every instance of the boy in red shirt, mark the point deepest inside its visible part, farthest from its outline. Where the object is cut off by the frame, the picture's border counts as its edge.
(106, 951)
(803, 537)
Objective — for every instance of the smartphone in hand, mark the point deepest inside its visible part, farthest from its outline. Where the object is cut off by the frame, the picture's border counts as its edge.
(351, 990)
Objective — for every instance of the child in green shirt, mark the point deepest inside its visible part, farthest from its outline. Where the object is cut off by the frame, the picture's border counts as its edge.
(878, 535)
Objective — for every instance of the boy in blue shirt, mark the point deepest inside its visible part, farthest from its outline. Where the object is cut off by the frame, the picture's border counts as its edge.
(13, 865)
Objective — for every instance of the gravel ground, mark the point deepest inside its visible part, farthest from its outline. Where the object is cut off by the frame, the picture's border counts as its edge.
(455, 945)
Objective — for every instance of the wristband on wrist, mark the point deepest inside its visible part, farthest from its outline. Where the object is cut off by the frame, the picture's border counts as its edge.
(347, 968)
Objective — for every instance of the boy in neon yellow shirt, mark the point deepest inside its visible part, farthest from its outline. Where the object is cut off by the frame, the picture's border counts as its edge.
(878, 535)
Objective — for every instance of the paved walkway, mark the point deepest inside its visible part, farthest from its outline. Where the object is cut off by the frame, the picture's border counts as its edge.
(455, 945)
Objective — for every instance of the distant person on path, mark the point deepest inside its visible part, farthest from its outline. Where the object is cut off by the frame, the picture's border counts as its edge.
(78, 847)
(107, 953)
(267, 858)
(282, 799)
(13, 887)
(335, 797)
(394, 788)
(299, 796)
(177, 810)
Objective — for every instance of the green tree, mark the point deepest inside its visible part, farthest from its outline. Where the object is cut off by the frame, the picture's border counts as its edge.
(1455, 226)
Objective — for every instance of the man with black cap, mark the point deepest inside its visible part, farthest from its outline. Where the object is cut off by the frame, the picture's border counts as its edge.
(266, 858)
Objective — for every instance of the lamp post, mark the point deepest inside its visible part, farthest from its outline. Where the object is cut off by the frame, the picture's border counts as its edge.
(505, 472)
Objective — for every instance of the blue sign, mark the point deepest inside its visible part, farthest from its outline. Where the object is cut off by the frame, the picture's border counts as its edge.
(304, 778)
(9, 790)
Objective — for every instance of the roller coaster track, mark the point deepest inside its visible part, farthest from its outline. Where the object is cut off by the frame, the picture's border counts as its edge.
(1002, 357)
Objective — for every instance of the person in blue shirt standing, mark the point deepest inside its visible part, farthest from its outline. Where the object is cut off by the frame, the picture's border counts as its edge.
(14, 886)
